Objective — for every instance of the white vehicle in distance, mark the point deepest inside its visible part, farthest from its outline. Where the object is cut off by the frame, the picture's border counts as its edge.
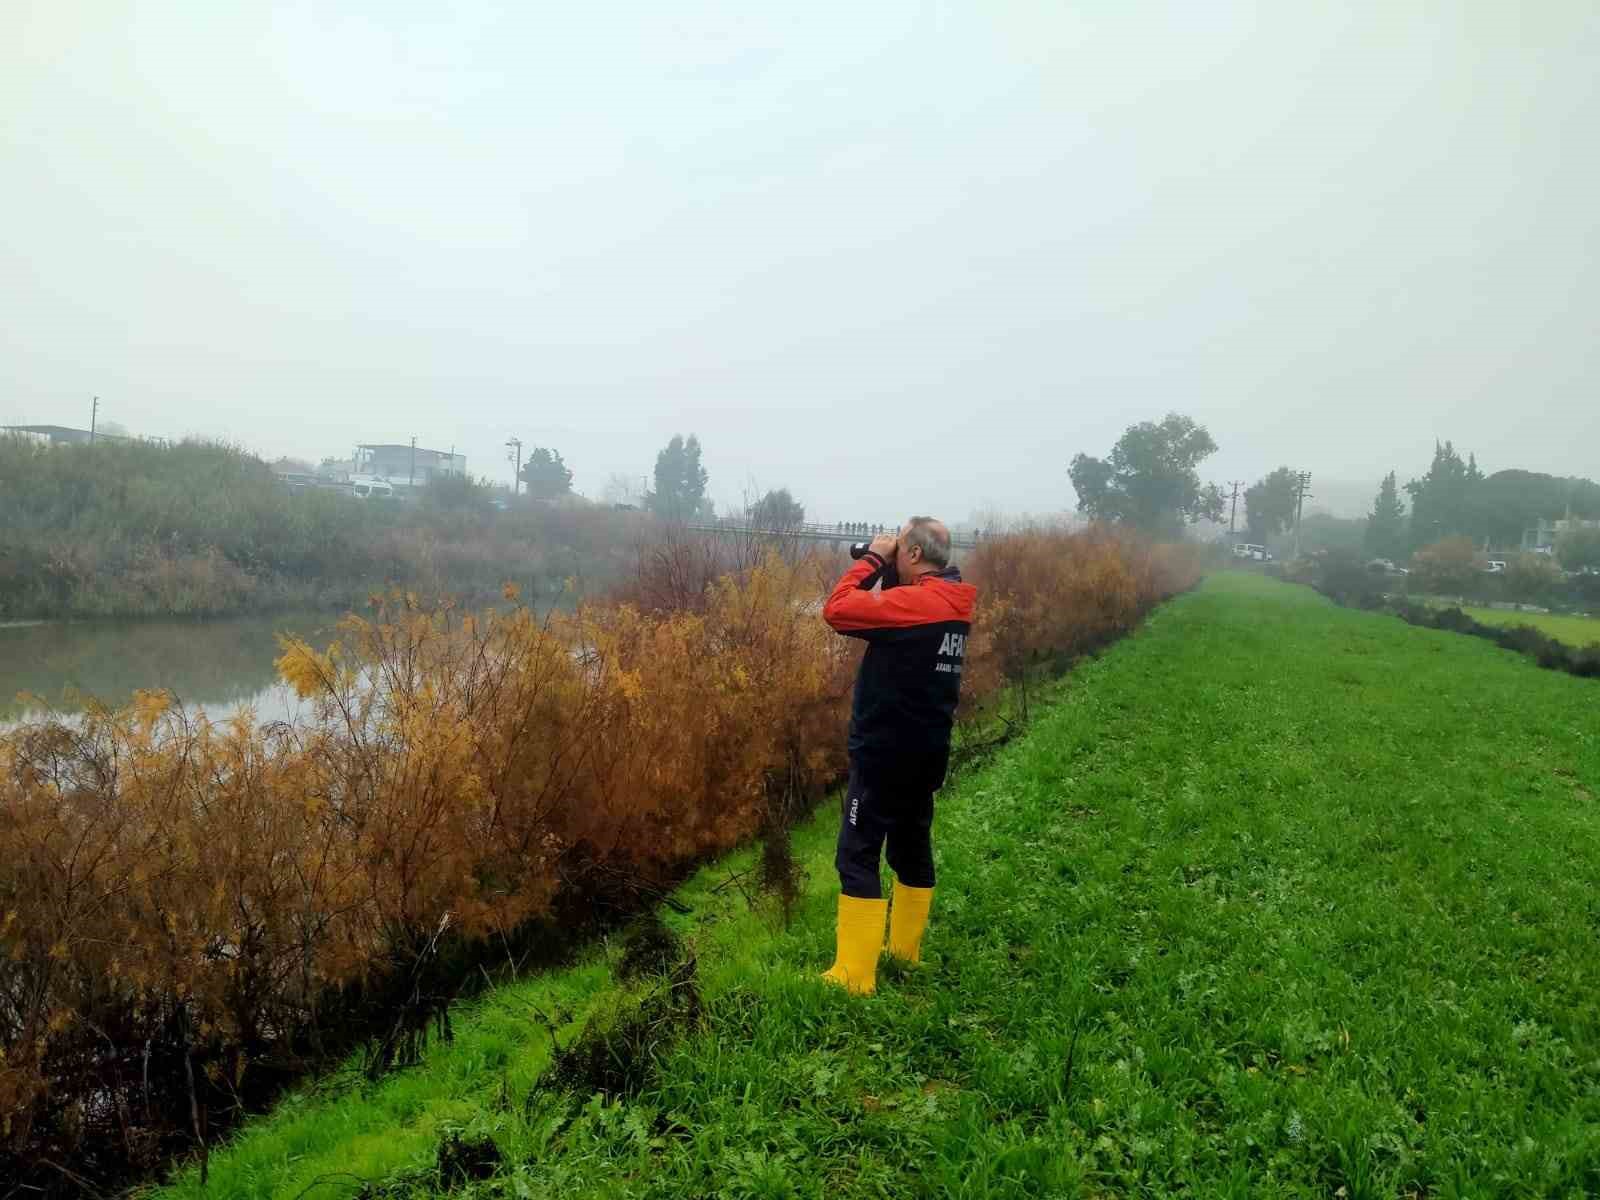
(366, 487)
(1252, 552)
(1387, 566)
(1494, 566)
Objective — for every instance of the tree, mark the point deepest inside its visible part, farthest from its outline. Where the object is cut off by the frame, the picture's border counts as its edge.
(1269, 504)
(1149, 481)
(545, 475)
(1514, 501)
(1448, 565)
(1531, 577)
(1445, 501)
(1579, 550)
(777, 510)
(680, 491)
(1386, 524)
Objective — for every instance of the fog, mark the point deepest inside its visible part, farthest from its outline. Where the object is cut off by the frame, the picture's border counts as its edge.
(896, 257)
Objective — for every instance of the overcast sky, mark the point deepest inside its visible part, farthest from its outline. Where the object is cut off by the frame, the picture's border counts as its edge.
(896, 256)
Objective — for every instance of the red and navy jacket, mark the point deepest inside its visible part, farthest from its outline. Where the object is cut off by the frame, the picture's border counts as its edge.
(910, 680)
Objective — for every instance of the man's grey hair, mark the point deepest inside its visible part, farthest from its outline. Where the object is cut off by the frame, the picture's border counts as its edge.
(933, 539)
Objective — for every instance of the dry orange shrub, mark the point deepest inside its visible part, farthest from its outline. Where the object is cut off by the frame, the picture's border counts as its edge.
(176, 893)
(1050, 595)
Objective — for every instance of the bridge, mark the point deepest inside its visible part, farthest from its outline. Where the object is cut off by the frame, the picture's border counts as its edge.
(839, 533)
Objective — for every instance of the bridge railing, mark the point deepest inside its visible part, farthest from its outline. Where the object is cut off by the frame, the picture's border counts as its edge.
(837, 531)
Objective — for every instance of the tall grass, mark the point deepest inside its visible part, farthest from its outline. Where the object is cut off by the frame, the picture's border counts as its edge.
(191, 911)
(131, 528)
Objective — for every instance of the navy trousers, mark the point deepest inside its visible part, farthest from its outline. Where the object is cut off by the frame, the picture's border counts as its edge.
(884, 808)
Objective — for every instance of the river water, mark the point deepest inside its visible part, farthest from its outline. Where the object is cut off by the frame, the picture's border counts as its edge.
(217, 666)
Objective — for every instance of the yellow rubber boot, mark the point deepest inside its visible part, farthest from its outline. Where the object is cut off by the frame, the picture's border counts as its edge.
(855, 965)
(907, 920)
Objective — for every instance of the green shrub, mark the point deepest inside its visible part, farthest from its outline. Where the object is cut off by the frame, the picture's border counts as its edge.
(1532, 577)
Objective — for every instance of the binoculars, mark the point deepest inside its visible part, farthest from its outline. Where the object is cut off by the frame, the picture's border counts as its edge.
(888, 577)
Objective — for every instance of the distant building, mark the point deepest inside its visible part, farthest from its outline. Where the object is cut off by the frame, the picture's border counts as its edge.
(1542, 537)
(406, 463)
(58, 435)
(64, 435)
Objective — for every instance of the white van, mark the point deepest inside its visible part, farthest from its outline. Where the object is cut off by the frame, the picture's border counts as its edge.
(1252, 552)
(365, 487)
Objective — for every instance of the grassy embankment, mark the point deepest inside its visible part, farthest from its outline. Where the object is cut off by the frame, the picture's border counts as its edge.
(1313, 891)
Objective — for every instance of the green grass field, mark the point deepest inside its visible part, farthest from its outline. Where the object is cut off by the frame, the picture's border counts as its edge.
(1317, 893)
(1574, 631)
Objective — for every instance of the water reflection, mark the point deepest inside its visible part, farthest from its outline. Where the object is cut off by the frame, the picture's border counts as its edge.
(218, 666)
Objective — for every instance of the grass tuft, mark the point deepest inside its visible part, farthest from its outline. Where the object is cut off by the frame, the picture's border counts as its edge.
(622, 1042)
(463, 1161)
(649, 947)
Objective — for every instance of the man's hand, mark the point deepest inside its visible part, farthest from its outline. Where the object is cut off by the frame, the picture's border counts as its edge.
(883, 546)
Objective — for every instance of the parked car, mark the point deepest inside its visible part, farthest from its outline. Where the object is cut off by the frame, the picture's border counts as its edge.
(1494, 566)
(367, 488)
(1252, 552)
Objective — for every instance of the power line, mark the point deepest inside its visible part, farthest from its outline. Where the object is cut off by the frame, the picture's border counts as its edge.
(1302, 482)
(1233, 512)
(515, 443)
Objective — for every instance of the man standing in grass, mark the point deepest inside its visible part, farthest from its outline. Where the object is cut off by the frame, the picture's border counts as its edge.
(916, 628)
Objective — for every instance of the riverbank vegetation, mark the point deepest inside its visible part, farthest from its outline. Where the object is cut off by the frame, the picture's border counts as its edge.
(195, 912)
(199, 528)
(1272, 899)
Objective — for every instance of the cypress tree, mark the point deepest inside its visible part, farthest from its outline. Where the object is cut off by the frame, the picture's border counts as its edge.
(1386, 524)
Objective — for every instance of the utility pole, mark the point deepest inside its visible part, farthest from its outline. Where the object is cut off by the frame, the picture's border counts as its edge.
(1302, 482)
(94, 417)
(412, 478)
(515, 443)
(1233, 512)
